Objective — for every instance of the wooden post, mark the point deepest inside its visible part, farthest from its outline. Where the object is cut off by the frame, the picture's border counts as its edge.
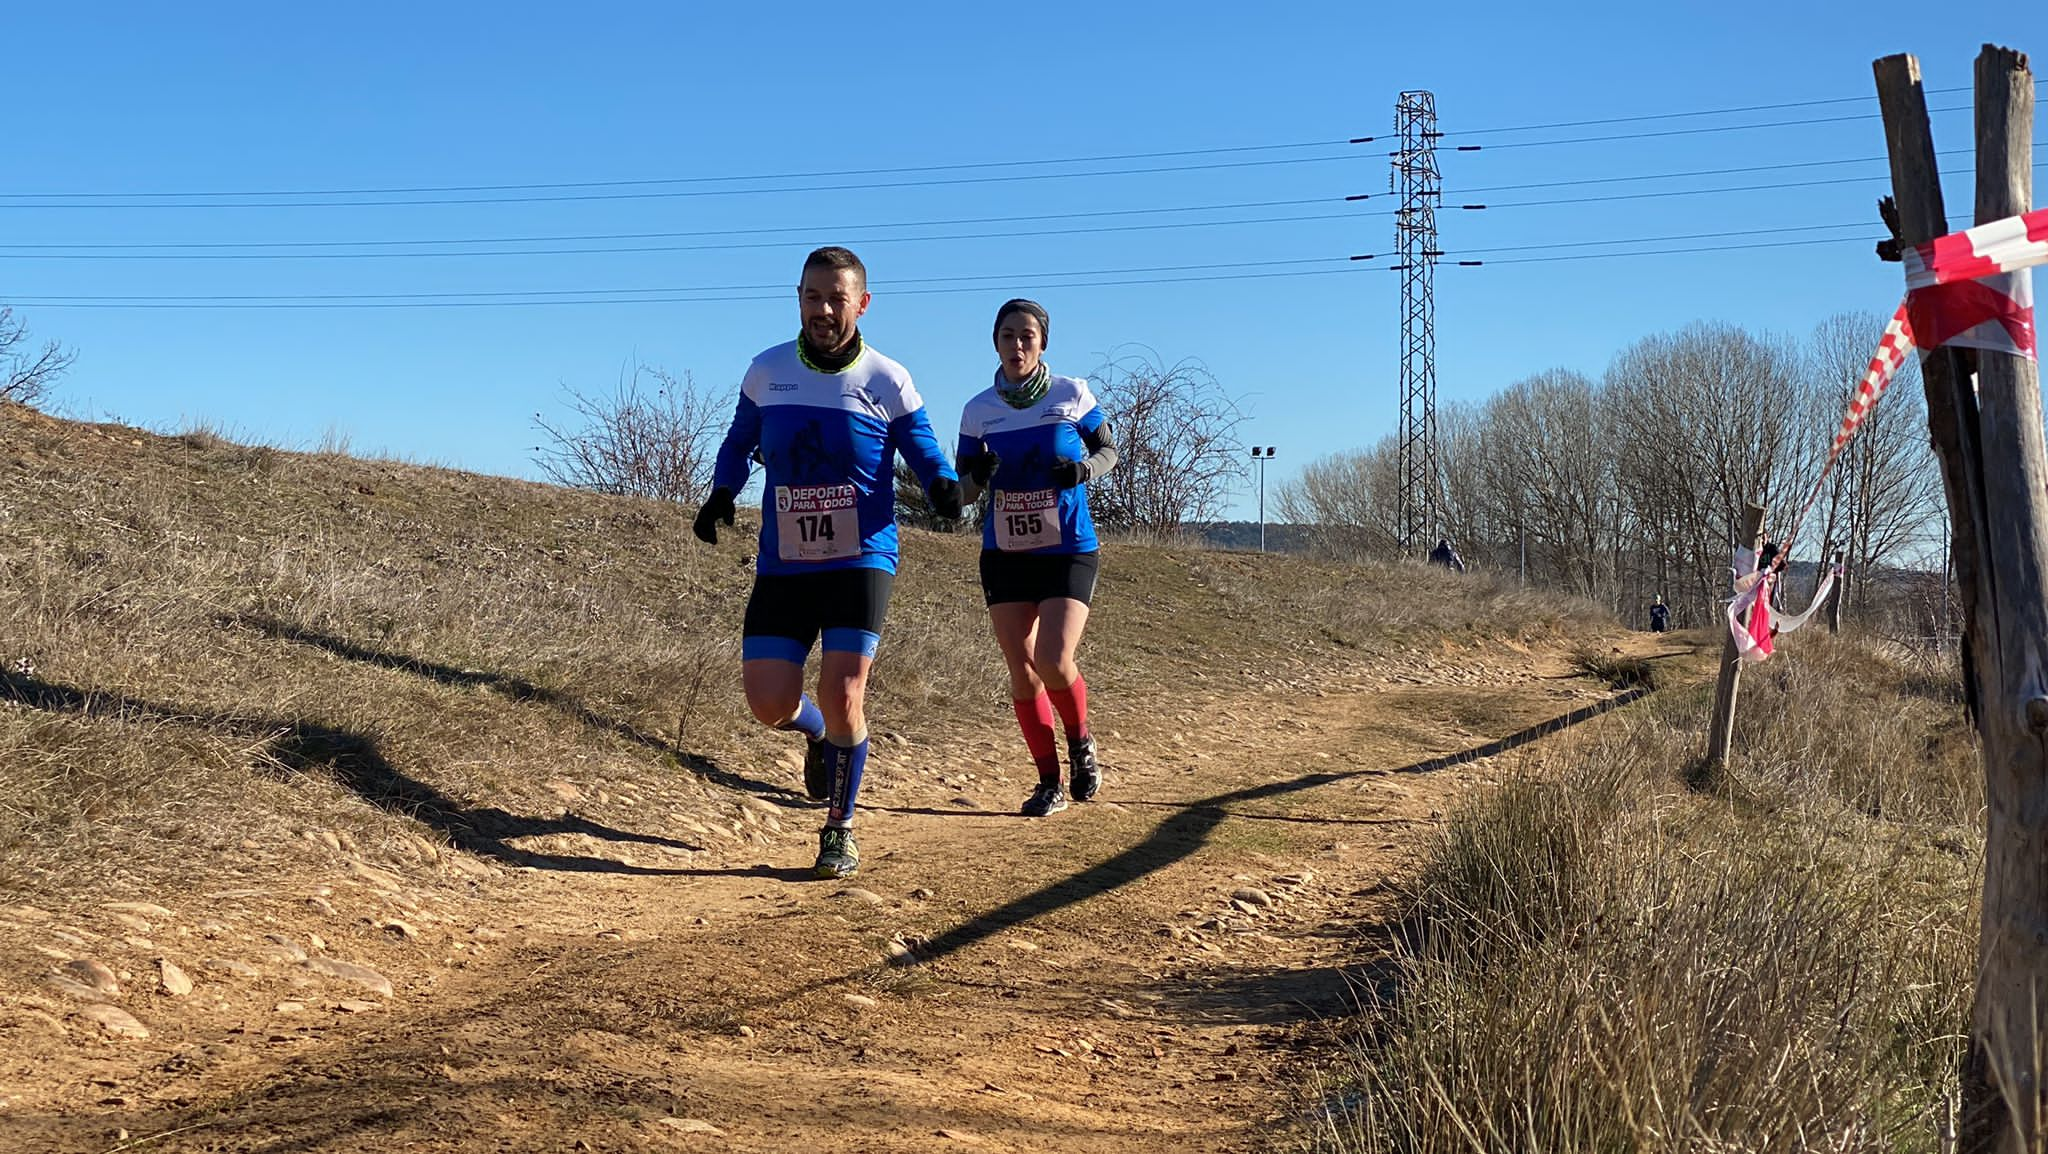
(1995, 473)
(1721, 730)
(1835, 598)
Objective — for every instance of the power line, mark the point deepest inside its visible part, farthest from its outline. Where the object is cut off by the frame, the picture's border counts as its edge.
(1695, 172)
(602, 236)
(686, 193)
(1862, 224)
(1095, 230)
(1694, 131)
(1681, 115)
(1676, 192)
(780, 289)
(1677, 251)
(782, 294)
(663, 180)
(929, 285)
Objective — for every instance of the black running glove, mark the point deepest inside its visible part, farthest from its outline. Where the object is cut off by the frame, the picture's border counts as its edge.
(717, 507)
(980, 466)
(1069, 474)
(945, 495)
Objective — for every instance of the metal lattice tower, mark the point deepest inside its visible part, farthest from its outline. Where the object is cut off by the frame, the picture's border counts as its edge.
(1416, 178)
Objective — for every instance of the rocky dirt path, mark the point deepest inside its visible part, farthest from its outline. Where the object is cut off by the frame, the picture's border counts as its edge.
(1151, 972)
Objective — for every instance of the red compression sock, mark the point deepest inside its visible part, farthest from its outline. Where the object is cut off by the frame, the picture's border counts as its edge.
(1072, 702)
(1034, 717)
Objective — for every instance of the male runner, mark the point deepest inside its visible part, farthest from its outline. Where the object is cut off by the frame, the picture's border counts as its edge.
(828, 415)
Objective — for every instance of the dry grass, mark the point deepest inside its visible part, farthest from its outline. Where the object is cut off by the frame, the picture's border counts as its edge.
(1615, 668)
(1597, 959)
(226, 659)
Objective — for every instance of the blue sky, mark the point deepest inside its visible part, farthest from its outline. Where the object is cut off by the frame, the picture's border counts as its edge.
(150, 100)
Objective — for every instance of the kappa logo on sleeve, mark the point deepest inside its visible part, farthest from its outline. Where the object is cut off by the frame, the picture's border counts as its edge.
(783, 386)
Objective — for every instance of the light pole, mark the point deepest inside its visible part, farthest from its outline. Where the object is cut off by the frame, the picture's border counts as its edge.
(1262, 454)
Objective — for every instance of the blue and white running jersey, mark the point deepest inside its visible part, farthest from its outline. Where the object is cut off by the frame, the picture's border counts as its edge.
(1027, 513)
(829, 443)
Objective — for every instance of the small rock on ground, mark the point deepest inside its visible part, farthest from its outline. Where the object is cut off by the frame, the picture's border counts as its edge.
(692, 1126)
(114, 1020)
(350, 972)
(175, 981)
(92, 973)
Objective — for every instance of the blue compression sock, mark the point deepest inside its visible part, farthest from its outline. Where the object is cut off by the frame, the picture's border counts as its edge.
(810, 721)
(847, 766)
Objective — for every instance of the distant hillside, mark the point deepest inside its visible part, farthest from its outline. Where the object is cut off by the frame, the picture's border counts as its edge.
(1245, 535)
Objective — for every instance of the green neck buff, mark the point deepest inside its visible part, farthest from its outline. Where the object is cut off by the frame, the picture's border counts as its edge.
(837, 362)
(1026, 392)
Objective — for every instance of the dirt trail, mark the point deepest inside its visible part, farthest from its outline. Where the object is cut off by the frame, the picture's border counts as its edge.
(1137, 974)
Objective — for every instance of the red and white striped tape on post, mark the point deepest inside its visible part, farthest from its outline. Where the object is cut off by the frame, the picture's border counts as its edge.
(1891, 355)
(1969, 289)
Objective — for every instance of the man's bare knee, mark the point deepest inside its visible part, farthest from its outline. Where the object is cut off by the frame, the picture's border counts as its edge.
(772, 711)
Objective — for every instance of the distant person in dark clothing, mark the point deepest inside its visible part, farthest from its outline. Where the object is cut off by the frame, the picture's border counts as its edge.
(1660, 615)
(1446, 556)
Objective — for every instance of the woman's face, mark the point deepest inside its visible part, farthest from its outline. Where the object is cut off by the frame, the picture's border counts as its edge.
(1021, 344)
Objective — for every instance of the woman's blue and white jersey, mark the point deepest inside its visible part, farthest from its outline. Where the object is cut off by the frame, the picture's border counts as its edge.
(1027, 512)
(829, 443)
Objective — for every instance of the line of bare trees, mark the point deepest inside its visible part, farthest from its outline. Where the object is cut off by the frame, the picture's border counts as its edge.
(654, 434)
(1631, 485)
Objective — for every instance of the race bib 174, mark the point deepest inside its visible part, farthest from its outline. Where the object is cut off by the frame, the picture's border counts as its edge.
(816, 522)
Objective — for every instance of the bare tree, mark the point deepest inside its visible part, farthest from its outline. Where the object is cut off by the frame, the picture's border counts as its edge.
(1883, 499)
(653, 435)
(1631, 486)
(1176, 434)
(1469, 513)
(28, 374)
(1552, 463)
(1350, 499)
(1706, 419)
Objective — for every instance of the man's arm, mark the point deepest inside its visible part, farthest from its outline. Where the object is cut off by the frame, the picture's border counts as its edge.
(729, 470)
(912, 436)
(735, 453)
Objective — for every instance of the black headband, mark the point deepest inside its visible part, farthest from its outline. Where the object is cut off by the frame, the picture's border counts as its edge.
(1033, 308)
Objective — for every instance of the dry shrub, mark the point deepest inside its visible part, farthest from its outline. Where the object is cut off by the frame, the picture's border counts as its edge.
(1595, 959)
(1614, 668)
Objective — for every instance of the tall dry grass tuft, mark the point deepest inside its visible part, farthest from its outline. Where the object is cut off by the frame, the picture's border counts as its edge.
(1597, 959)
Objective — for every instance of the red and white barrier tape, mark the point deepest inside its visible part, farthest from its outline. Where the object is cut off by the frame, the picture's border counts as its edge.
(1969, 289)
(1755, 638)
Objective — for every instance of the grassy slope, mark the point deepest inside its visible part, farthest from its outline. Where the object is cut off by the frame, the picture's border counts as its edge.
(1598, 958)
(217, 655)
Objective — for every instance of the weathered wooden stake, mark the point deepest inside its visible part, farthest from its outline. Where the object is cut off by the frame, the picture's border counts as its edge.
(1994, 470)
(1835, 597)
(1721, 731)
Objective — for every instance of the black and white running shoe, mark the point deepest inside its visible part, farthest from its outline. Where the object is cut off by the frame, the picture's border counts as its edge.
(1083, 770)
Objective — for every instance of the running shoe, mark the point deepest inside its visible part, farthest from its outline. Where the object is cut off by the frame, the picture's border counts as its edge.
(1084, 772)
(838, 857)
(817, 771)
(1046, 800)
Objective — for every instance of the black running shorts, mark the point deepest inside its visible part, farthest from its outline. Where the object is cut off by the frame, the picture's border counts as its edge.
(1007, 578)
(789, 611)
